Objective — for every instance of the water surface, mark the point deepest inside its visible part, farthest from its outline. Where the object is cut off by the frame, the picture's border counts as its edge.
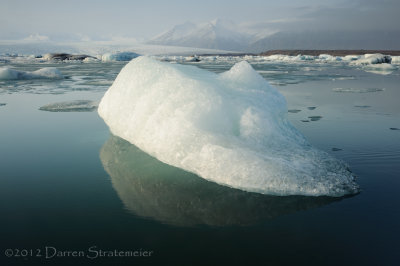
(66, 182)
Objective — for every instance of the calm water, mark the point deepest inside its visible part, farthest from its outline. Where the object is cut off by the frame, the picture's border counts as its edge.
(67, 184)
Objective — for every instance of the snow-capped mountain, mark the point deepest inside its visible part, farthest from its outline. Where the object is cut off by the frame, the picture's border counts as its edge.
(225, 35)
(217, 34)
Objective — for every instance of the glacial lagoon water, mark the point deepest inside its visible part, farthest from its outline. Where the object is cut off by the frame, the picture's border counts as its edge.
(67, 184)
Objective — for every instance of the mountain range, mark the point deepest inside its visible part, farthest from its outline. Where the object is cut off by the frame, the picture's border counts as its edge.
(226, 35)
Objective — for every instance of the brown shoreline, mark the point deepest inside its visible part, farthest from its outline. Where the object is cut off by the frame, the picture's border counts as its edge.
(330, 52)
(313, 52)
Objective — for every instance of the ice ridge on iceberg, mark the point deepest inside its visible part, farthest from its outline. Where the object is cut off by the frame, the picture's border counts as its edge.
(229, 128)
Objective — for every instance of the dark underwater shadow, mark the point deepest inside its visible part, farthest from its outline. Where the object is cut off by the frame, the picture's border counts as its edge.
(152, 189)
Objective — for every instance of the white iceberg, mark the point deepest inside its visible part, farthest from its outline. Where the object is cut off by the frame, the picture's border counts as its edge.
(369, 59)
(328, 57)
(230, 128)
(396, 60)
(7, 73)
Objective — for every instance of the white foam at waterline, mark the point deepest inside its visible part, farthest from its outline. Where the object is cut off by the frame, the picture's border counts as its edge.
(230, 128)
(7, 73)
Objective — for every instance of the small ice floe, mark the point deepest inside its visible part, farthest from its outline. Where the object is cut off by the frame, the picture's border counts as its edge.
(351, 57)
(381, 69)
(294, 111)
(7, 73)
(71, 106)
(90, 60)
(328, 57)
(362, 106)
(358, 90)
(315, 117)
(289, 58)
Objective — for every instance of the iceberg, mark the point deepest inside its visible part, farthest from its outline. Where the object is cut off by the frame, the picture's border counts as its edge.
(7, 73)
(230, 128)
(119, 56)
(369, 59)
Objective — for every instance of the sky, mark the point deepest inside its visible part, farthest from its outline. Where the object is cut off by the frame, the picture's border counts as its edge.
(116, 19)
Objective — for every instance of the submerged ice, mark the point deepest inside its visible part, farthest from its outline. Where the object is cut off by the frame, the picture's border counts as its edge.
(230, 128)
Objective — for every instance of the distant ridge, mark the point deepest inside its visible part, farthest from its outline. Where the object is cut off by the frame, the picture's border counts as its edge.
(313, 52)
(330, 52)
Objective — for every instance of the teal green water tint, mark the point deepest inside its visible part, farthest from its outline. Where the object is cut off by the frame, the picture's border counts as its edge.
(66, 182)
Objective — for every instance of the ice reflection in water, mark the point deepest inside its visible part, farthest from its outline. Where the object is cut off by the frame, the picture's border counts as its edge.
(152, 189)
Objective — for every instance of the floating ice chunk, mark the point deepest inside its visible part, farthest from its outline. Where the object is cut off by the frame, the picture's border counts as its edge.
(382, 69)
(121, 56)
(396, 60)
(71, 106)
(358, 90)
(230, 128)
(43, 73)
(90, 60)
(328, 57)
(369, 59)
(315, 117)
(351, 57)
(294, 111)
(288, 58)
